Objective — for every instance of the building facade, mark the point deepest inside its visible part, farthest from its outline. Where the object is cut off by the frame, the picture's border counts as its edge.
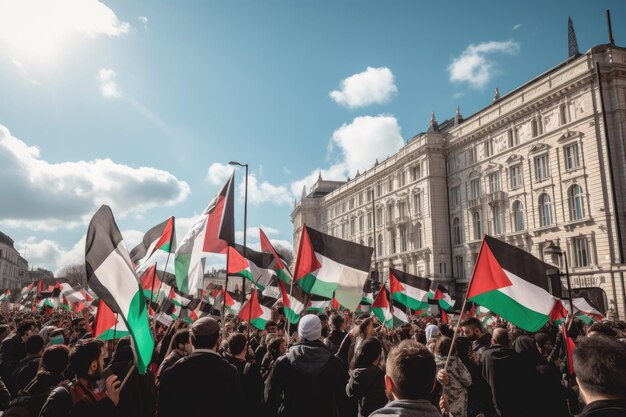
(542, 168)
(13, 266)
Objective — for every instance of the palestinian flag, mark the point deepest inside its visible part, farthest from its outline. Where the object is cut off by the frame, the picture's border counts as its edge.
(6, 296)
(363, 308)
(151, 284)
(78, 307)
(111, 275)
(73, 294)
(569, 349)
(512, 283)
(161, 237)
(178, 299)
(213, 232)
(254, 312)
(65, 304)
(368, 293)
(279, 266)
(231, 305)
(382, 309)
(410, 290)
(398, 311)
(107, 325)
(293, 307)
(27, 290)
(318, 304)
(441, 296)
(251, 265)
(584, 310)
(328, 265)
(46, 303)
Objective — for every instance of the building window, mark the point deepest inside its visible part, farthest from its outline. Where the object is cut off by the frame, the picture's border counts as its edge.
(518, 216)
(475, 188)
(417, 203)
(575, 199)
(380, 245)
(460, 268)
(477, 225)
(379, 216)
(456, 231)
(401, 179)
(497, 223)
(419, 243)
(392, 241)
(581, 251)
(370, 242)
(515, 174)
(352, 227)
(571, 157)
(360, 199)
(545, 210)
(541, 167)
(369, 221)
(390, 184)
(564, 113)
(361, 223)
(488, 148)
(416, 172)
(513, 137)
(534, 128)
(389, 214)
(472, 155)
(455, 199)
(494, 182)
(379, 189)
(403, 241)
(351, 203)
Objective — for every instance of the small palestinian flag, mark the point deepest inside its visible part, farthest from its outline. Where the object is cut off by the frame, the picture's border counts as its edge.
(213, 232)
(318, 304)
(161, 237)
(231, 305)
(111, 275)
(363, 308)
(328, 265)
(410, 290)
(255, 266)
(179, 299)
(73, 293)
(292, 304)
(78, 307)
(108, 325)
(6, 296)
(151, 284)
(255, 313)
(368, 293)
(584, 310)
(441, 296)
(65, 304)
(279, 266)
(512, 283)
(382, 309)
(399, 313)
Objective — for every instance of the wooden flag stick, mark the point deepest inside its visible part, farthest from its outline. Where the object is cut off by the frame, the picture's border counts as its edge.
(126, 377)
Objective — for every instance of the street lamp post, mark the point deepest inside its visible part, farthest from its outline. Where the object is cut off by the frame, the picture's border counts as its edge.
(553, 249)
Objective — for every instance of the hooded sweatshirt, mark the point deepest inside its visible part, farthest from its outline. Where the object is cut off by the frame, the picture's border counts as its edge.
(408, 408)
(367, 385)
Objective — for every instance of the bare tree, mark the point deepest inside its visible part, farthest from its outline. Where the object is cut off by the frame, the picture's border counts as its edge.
(75, 274)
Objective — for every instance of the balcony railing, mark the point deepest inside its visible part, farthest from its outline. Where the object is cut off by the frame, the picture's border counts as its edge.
(474, 202)
(496, 196)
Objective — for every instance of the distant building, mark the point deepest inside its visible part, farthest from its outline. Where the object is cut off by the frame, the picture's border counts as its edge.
(36, 275)
(13, 266)
(541, 166)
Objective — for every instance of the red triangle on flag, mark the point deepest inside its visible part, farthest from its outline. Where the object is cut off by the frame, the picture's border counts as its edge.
(266, 246)
(307, 261)
(149, 279)
(394, 284)
(105, 319)
(381, 299)
(236, 262)
(252, 310)
(488, 274)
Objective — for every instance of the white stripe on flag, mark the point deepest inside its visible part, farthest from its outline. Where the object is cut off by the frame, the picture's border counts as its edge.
(528, 295)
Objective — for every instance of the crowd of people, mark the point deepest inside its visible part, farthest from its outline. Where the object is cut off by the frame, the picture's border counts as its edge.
(336, 364)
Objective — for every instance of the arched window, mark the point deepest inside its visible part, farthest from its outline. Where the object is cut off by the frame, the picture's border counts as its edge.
(575, 199)
(370, 242)
(518, 216)
(392, 241)
(497, 225)
(419, 243)
(380, 245)
(477, 225)
(545, 210)
(456, 231)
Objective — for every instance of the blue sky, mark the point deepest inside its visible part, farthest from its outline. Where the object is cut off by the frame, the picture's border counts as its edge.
(139, 104)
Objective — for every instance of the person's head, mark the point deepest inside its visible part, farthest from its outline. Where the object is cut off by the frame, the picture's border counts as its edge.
(79, 325)
(366, 328)
(310, 328)
(432, 332)
(54, 360)
(337, 322)
(181, 341)
(34, 345)
(277, 347)
(410, 371)
(544, 344)
(472, 328)
(442, 346)
(500, 337)
(270, 327)
(600, 366)
(237, 344)
(601, 329)
(87, 358)
(205, 334)
(26, 329)
(368, 354)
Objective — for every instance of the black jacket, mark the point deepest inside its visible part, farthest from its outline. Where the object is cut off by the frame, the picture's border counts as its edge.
(77, 401)
(509, 381)
(251, 386)
(368, 386)
(334, 339)
(168, 362)
(200, 384)
(481, 344)
(35, 394)
(12, 351)
(311, 381)
(24, 373)
(604, 408)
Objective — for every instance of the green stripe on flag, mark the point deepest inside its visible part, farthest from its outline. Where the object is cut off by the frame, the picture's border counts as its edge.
(511, 310)
(409, 302)
(139, 328)
(310, 284)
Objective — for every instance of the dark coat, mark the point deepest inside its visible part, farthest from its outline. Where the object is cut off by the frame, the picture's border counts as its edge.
(311, 381)
(35, 394)
(408, 408)
(12, 351)
(509, 381)
(604, 408)
(334, 339)
(251, 385)
(368, 386)
(198, 385)
(24, 373)
(169, 360)
(481, 344)
(77, 401)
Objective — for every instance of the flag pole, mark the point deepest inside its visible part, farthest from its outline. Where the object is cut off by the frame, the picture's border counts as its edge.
(155, 273)
(224, 294)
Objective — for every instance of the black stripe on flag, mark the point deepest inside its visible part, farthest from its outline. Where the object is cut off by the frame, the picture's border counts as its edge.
(227, 222)
(151, 236)
(412, 280)
(263, 260)
(341, 251)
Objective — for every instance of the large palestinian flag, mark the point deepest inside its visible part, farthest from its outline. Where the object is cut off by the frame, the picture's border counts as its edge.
(513, 284)
(399, 313)
(213, 232)
(441, 296)
(257, 267)
(410, 290)
(161, 237)
(254, 312)
(293, 304)
(111, 276)
(328, 265)
(279, 266)
(107, 325)
(382, 309)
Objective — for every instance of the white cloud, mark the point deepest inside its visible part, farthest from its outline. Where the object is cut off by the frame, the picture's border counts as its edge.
(52, 196)
(35, 31)
(219, 173)
(108, 85)
(372, 86)
(253, 232)
(144, 20)
(265, 192)
(473, 65)
(519, 25)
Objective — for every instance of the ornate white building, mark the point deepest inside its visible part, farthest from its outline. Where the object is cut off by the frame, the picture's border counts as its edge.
(13, 266)
(542, 166)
